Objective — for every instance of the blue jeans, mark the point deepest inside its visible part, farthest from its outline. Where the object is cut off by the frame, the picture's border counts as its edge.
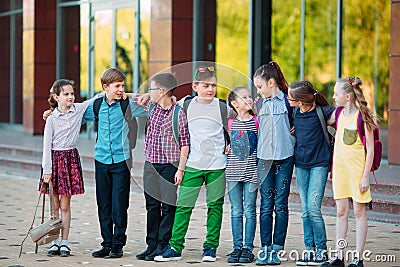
(311, 183)
(243, 198)
(275, 177)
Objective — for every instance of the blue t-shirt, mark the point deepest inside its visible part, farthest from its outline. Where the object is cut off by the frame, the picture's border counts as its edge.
(311, 149)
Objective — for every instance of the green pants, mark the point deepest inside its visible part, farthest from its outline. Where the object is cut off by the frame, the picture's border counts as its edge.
(188, 193)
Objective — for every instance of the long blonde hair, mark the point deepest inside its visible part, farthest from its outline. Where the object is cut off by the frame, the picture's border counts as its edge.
(352, 86)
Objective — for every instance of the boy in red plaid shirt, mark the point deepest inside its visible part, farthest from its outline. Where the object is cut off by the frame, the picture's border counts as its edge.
(165, 162)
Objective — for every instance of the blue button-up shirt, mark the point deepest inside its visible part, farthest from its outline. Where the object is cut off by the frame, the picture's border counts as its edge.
(112, 145)
(274, 139)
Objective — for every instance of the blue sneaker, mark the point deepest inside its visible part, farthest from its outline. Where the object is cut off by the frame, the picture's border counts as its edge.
(169, 254)
(262, 257)
(209, 254)
(273, 258)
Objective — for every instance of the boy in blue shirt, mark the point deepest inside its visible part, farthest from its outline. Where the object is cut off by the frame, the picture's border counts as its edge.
(112, 152)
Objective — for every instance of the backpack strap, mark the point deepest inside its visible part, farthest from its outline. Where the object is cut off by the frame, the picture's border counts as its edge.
(96, 108)
(289, 109)
(256, 121)
(337, 114)
(323, 123)
(259, 104)
(151, 107)
(175, 123)
(230, 124)
(360, 128)
(187, 102)
(223, 109)
(132, 122)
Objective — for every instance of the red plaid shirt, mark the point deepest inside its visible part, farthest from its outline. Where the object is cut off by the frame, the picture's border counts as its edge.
(160, 144)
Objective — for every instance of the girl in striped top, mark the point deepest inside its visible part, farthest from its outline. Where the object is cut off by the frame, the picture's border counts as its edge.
(241, 173)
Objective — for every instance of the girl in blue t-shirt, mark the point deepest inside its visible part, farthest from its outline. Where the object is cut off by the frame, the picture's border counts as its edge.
(241, 173)
(312, 159)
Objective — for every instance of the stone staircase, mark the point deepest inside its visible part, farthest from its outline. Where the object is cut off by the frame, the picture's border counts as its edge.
(21, 161)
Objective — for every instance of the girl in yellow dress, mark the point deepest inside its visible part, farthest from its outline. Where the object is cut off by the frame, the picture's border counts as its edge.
(351, 166)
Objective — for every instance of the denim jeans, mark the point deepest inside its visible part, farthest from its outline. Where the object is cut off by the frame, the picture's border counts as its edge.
(311, 183)
(243, 198)
(275, 177)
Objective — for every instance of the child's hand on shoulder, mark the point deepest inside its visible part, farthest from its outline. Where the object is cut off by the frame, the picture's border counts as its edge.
(46, 114)
(142, 100)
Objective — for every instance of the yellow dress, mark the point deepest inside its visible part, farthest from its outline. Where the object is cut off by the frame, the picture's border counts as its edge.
(348, 161)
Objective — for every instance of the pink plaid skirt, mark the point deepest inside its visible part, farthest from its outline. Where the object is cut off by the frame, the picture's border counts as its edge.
(67, 175)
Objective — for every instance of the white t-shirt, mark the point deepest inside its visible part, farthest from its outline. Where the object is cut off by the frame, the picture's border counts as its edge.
(207, 143)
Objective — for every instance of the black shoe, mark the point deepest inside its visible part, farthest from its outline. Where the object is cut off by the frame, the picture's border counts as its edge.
(356, 262)
(101, 253)
(334, 262)
(148, 251)
(156, 252)
(116, 252)
(65, 252)
(234, 256)
(247, 256)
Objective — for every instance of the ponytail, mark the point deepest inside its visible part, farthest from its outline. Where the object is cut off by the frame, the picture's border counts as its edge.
(305, 92)
(272, 71)
(352, 86)
(56, 88)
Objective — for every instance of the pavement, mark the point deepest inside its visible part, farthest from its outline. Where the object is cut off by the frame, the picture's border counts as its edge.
(18, 197)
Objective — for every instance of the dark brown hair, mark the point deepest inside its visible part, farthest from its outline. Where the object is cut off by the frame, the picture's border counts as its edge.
(272, 71)
(352, 86)
(167, 81)
(56, 88)
(305, 92)
(232, 96)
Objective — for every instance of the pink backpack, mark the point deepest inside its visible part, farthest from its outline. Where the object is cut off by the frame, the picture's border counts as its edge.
(376, 163)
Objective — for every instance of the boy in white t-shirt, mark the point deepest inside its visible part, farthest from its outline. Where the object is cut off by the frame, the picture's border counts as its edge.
(207, 120)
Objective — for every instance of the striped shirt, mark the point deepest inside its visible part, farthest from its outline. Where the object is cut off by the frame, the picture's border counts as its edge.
(160, 143)
(61, 131)
(242, 158)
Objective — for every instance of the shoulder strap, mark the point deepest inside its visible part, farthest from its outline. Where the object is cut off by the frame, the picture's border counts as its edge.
(323, 123)
(151, 107)
(96, 108)
(187, 102)
(175, 123)
(230, 124)
(289, 109)
(294, 112)
(259, 104)
(256, 121)
(360, 128)
(337, 113)
(223, 109)
(124, 103)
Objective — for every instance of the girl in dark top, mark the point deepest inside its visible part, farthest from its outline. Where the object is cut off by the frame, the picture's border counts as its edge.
(312, 161)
